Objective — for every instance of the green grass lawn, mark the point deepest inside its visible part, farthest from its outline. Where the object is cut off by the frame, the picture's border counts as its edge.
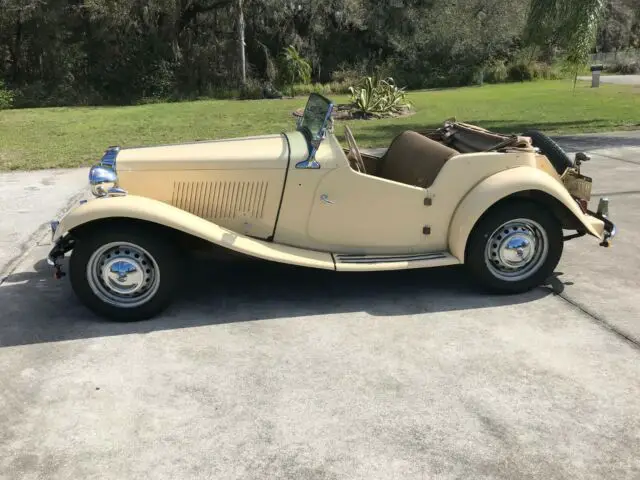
(72, 137)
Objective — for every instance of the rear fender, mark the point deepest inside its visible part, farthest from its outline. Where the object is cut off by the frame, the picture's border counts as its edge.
(153, 211)
(499, 187)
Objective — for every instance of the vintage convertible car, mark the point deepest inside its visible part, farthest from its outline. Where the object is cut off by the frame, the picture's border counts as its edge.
(455, 195)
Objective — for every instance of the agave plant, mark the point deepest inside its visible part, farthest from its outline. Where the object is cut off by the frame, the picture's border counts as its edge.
(374, 97)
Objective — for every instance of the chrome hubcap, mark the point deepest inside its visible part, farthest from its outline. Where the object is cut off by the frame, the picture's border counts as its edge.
(123, 274)
(516, 250)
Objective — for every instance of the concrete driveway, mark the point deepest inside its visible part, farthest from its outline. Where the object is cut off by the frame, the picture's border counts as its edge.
(266, 371)
(29, 200)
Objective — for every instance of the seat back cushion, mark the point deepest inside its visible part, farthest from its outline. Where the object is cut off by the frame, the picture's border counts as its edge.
(414, 159)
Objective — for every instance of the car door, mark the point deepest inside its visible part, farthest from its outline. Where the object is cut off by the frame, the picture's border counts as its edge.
(356, 212)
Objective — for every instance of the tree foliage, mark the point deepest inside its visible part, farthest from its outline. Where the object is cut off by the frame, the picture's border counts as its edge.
(294, 68)
(621, 26)
(67, 52)
(569, 24)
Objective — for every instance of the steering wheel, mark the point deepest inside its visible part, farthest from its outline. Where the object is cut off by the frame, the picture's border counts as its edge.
(354, 153)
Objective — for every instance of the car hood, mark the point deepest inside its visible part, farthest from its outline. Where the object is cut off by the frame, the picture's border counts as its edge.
(256, 152)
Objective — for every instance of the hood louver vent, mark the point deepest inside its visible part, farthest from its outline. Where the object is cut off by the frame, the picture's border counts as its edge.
(221, 199)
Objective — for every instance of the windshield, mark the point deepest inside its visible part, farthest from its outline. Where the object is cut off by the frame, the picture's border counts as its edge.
(315, 117)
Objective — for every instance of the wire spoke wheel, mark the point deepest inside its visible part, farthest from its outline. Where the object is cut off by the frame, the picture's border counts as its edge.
(516, 249)
(123, 274)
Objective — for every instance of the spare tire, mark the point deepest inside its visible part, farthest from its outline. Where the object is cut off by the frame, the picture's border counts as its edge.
(554, 152)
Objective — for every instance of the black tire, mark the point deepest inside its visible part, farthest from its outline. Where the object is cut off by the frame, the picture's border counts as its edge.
(485, 243)
(554, 152)
(157, 245)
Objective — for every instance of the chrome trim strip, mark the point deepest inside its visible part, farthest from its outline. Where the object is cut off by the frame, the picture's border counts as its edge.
(116, 192)
(352, 258)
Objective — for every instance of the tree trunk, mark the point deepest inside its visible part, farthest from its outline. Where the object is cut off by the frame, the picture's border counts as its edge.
(16, 52)
(241, 45)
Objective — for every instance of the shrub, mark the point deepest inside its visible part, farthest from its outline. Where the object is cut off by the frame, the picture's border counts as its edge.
(519, 72)
(6, 97)
(544, 71)
(221, 93)
(496, 72)
(251, 90)
(624, 68)
(306, 89)
(339, 88)
(150, 100)
(374, 97)
(333, 88)
(346, 74)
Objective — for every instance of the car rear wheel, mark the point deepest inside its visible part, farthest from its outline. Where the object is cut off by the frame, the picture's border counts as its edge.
(514, 247)
(123, 273)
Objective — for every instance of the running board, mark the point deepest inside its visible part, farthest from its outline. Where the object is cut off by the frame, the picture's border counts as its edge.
(359, 263)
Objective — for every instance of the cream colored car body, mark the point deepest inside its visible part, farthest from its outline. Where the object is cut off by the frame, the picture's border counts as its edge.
(253, 195)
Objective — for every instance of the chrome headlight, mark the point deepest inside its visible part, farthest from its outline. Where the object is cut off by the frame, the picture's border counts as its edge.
(103, 177)
(101, 180)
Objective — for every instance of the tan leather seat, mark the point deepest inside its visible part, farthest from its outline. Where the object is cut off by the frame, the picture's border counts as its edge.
(414, 159)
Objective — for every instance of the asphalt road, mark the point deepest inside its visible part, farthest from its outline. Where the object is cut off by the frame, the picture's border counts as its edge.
(616, 79)
(266, 371)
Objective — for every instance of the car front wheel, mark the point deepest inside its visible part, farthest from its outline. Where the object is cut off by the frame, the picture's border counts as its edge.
(124, 273)
(514, 247)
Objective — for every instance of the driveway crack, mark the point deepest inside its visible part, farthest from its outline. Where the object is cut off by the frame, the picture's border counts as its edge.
(633, 162)
(600, 321)
(616, 194)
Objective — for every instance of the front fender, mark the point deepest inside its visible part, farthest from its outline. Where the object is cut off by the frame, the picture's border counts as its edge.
(501, 185)
(154, 211)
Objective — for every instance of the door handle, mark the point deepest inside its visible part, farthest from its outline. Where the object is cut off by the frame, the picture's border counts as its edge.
(325, 199)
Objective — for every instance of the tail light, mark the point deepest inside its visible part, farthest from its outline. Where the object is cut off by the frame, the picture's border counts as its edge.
(584, 205)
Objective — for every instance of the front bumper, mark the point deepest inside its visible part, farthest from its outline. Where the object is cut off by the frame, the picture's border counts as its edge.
(602, 214)
(60, 247)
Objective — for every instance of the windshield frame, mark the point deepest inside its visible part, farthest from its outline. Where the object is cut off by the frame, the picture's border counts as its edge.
(314, 139)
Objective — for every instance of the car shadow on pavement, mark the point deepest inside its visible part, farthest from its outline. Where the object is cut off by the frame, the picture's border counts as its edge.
(38, 308)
